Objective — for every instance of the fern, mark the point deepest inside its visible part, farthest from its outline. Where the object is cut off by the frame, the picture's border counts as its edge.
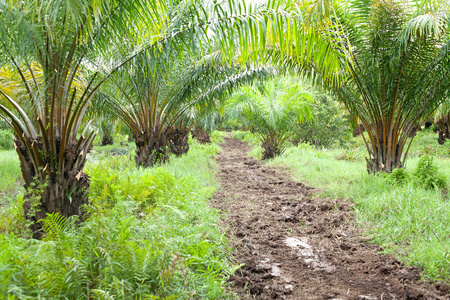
(398, 176)
(55, 225)
(428, 175)
(121, 251)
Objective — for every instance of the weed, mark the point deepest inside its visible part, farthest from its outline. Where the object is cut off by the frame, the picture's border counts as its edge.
(10, 174)
(350, 154)
(398, 176)
(217, 137)
(428, 175)
(246, 136)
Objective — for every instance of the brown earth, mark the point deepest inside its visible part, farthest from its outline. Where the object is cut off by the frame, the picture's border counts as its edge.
(297, 246)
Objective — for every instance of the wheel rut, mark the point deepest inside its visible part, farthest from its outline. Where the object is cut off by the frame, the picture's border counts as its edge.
(297, 246)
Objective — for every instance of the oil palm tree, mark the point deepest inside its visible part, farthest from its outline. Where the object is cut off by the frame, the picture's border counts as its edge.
(106, 127)
(395, 68)
(206, 116)
(205, 125)
(62, 39)
(271, 109)
(105, 119)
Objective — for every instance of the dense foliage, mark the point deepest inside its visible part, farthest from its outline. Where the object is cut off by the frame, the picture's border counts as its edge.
(62, 52)
(328, 128)
(160, 105)
(6, 141)
(167, 69)
(150, 234)
(49, 58)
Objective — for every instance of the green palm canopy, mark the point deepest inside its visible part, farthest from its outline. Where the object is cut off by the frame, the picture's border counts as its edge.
(271, 109)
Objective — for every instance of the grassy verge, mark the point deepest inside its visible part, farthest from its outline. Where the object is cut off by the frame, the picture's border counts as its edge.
(10, 175)
(406, 220)
(150, 235)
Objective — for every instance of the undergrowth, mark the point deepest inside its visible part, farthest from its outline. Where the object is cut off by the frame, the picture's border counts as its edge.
(428, 176)
(10, 174)
(217, 136)
(150, 235)
(406, 212)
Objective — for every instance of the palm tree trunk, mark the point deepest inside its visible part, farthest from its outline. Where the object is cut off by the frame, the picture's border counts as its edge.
(380, 162)
(178, 140)
(151, 148)
(443, 127)
(202, 135)
(50, 191)
(107, 139)
(271, 146)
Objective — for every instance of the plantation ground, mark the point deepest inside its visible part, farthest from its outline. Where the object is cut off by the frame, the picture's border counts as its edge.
(297, 246)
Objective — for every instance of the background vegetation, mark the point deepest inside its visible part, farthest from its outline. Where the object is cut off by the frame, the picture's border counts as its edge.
(329, 127)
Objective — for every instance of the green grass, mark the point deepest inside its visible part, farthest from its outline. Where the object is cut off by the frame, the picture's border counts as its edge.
(150, 235)
(218, 136)
(408, 221)
(10, 174)
(118, 146)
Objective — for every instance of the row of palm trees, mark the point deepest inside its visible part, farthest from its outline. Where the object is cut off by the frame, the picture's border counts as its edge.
(161, 106)
(65, 53)
(163, 64)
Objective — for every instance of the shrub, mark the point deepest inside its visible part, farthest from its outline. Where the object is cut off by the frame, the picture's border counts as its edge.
(246, 136)
(329, 126)
(428, 175)
(111, 183)
(6, 139)
(444, 150)
(218, 136)
(398, 176)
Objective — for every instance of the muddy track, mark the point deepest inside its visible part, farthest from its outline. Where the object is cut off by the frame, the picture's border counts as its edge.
(297, 246)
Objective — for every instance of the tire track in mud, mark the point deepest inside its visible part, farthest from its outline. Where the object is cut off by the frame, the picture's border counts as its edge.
(297, 246)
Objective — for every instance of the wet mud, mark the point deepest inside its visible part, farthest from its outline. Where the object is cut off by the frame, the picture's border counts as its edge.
(295, 245)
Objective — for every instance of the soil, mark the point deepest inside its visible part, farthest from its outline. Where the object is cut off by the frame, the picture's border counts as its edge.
(294, 245)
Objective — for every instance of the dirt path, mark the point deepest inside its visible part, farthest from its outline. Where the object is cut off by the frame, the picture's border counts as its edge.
(295, 246)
